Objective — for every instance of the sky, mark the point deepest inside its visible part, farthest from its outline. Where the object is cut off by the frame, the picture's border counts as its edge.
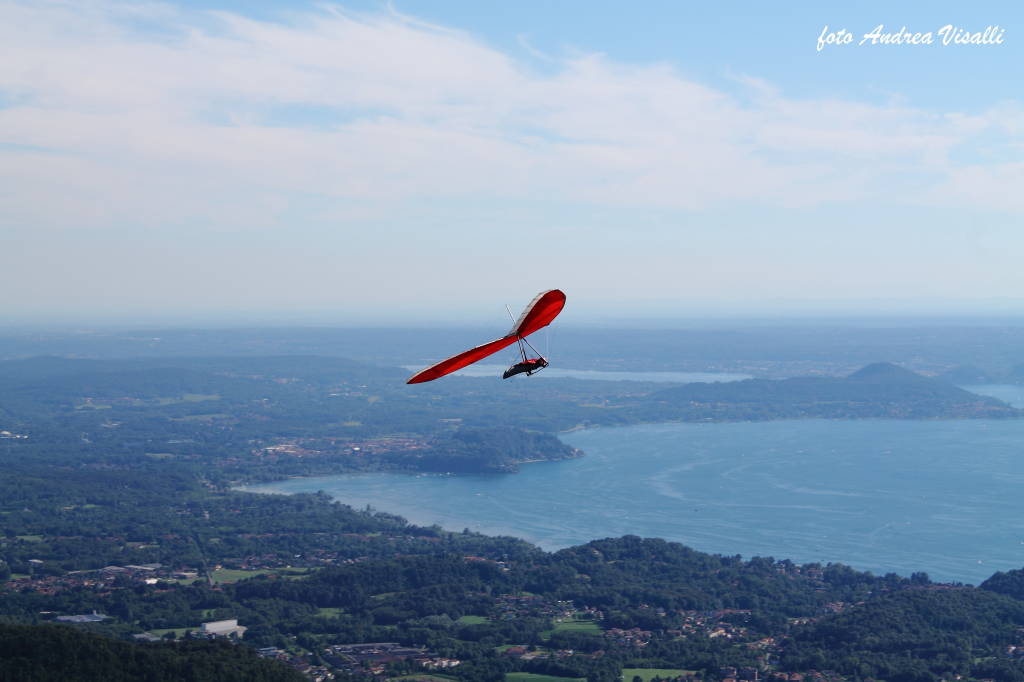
(375, 162)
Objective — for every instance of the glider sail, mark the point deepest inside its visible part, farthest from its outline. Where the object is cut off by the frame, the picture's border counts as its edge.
(461, 360)
(538, 314)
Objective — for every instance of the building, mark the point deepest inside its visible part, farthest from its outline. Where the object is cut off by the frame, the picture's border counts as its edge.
(222, 628)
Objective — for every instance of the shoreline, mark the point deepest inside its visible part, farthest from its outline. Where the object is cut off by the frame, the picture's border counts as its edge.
(543, 506)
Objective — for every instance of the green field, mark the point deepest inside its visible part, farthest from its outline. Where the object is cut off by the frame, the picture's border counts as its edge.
(471, 620)
(179, 632)
(578, 626)
(422, 677)
(647, 674)
(291, 573)
(532, 677)
(587, 626)
(329, 611)
(232, 575)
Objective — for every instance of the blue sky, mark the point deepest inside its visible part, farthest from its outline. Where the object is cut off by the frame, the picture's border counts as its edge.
(381, 162)
(715, 42)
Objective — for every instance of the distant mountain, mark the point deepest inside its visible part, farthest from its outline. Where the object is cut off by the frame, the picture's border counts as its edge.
(886, 373)
(879, 390)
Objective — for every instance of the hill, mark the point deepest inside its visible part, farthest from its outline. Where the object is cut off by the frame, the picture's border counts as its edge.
(879, 390)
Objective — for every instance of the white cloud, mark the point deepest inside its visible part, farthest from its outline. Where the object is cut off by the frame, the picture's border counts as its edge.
(358, 148)
(216, 104)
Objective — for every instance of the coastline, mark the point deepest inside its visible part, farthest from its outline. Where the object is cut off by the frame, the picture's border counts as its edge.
(781, 489)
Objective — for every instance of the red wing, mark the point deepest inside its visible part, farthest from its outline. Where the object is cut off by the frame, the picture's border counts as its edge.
(461, 360)
(541, 311)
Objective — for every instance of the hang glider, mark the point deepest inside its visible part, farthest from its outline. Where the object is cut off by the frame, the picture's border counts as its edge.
(538, 314)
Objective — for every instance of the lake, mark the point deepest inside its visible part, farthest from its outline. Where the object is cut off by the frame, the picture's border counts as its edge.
(881, 495)
(493, 370)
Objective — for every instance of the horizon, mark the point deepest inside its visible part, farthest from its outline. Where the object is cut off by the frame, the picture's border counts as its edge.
(688, 320)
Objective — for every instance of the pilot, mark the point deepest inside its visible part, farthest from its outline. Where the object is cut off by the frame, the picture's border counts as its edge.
(529, 366)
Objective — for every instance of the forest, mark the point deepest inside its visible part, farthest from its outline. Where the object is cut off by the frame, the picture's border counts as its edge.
(119, 499)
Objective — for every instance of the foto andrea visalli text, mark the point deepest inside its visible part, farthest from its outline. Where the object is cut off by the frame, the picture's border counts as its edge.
(944, 36)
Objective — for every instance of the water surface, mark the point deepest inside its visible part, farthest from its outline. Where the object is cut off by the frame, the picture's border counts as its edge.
(880, 495)
(1008, 393)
